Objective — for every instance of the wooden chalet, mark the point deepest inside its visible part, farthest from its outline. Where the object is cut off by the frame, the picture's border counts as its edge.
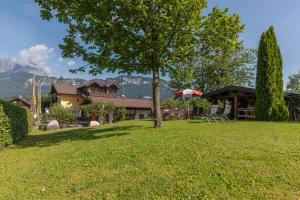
(242, 100)
(21, 102)
(73, 96)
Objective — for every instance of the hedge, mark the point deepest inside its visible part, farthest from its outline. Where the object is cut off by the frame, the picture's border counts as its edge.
(16, 122)
(5, 130)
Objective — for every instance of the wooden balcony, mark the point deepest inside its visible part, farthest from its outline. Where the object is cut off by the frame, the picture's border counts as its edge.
(101, 94)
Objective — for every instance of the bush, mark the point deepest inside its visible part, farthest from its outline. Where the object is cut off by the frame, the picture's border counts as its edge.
(120, 113)
(43, 127)
(201, 103)
(63, 115)
(5, 130)
(19, 121)
(96, 110)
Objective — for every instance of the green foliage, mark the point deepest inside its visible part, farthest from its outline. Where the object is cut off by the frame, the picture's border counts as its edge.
(222, 105)
(201, 103)
(87, 100)
(129, 36)
(182, 77)
(219, 71)
(5, 129)
(120, 113)
(98, 109)
(30, 120)
(19, 121)
(170, 103)
(221, 59)
(63, 115)
(293, 85)
(194, 103)
(270, 103)
(45, 102)
(43, 127)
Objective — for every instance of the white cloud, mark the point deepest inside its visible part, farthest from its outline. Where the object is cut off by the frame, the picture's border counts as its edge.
(71, 63)
(35, 55)
(60, 59)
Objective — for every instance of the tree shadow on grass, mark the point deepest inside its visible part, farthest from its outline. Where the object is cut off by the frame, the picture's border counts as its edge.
(54, 138)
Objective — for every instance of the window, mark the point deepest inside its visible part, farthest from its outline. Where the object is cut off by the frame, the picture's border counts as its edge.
(141, 116)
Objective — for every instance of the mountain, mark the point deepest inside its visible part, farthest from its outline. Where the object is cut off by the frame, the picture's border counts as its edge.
(15, 82)
(10, 65)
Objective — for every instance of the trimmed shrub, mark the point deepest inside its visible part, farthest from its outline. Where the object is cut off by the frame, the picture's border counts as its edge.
(18, 120)
(5, 130)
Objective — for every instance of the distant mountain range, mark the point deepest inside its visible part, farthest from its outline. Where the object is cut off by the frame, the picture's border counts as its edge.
(15, 80)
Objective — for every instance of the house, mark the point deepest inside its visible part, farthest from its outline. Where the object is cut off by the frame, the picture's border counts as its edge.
(73, 96)
(242, 100)
(21, 102)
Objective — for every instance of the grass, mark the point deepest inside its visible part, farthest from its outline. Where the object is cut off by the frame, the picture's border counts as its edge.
(130, 160)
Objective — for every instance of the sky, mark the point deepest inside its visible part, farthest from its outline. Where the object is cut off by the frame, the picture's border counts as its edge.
(25, 36)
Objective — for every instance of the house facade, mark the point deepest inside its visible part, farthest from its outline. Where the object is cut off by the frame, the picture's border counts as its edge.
(73, 96)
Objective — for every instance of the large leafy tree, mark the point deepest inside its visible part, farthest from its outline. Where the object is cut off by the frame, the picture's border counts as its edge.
(182, 77)
(270, 103)
(143, 36)
(236, 69)
(294, 83)
(221, 59)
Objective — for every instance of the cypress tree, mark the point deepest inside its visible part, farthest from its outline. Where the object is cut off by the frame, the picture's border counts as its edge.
(270, 103)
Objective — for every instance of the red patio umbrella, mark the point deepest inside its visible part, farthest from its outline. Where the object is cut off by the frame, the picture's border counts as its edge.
(188, 93)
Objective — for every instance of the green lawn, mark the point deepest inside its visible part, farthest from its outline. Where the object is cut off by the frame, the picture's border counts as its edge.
(130, 160)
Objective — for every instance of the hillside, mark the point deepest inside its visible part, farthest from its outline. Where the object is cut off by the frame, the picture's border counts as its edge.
(13, 84)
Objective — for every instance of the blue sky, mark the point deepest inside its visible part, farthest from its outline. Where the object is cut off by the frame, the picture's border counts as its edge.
(22, 28)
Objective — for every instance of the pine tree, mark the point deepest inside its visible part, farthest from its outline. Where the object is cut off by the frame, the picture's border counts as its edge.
(270, 103)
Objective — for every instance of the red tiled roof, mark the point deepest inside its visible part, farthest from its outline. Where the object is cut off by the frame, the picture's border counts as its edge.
(127, 103)
(63, 88)
(68, 88)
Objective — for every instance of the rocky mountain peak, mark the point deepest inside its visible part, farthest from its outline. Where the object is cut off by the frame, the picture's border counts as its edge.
(10, 65)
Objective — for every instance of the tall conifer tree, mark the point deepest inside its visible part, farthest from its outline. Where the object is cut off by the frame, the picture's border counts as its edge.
(270, 103)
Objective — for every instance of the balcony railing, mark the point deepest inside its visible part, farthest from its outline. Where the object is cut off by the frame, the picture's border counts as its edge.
(101, 94)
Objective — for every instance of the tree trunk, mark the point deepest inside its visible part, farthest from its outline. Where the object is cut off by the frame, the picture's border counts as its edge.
(156, 98)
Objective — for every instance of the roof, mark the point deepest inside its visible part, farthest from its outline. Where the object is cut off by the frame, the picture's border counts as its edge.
(22, 100)
(290, 94)
(64, 88)
(127, 103)
(230, 88)
(68, 88)
(244, 89)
